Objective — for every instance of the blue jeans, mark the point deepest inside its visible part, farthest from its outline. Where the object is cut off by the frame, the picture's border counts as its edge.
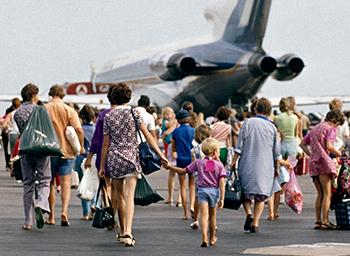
(60, 166)
(86, 205)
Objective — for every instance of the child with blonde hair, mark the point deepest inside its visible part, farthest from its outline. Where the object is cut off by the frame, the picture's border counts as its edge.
(169, 123)
(202, 132)
(210, 187)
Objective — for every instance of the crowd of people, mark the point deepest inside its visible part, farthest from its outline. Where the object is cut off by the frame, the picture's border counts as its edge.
(264, 148)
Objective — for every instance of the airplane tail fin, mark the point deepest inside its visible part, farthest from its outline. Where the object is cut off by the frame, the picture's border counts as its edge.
(241, 22)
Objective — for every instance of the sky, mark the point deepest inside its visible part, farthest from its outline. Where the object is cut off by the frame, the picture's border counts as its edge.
(48, 42)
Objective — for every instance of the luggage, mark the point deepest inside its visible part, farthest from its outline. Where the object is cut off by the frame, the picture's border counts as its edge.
(342, 214)
(302, 167)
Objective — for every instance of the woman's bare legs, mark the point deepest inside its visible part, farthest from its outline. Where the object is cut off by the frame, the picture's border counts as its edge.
(325, 182)
(129, 192)
(118, 185)
(318, 200)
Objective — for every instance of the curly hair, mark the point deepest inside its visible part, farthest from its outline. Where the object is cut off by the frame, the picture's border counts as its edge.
(335, 104)
(120, 94)
(335, 116)
(29, 91)
(223, 113)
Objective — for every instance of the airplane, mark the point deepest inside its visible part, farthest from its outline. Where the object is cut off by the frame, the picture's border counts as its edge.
(230, 66)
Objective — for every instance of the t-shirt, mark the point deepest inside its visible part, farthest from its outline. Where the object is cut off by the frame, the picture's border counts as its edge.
(183, 137)
(209, 172)
(148, 121)
(62, 116)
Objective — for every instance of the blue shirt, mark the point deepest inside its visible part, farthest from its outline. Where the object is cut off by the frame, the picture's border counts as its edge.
(183, 137)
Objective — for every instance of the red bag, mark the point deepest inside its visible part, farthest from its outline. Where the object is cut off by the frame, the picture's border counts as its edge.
(302, 167)
(293, 195)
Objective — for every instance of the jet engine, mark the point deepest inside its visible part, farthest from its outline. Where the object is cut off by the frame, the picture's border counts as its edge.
(288, 67)
(261, 65)
(172, 67)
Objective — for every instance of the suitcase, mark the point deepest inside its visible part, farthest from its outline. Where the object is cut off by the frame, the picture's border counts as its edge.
(342, 214)
(302, 167)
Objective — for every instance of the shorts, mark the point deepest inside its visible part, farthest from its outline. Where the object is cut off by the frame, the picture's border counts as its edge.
(284, 176)
(289, 148)
(208, 195)
(60, 166)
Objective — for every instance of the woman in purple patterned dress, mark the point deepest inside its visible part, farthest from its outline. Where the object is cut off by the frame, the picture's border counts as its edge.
(120, 153)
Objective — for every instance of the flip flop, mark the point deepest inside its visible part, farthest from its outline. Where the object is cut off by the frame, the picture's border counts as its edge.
(27, 227)
(49, 222)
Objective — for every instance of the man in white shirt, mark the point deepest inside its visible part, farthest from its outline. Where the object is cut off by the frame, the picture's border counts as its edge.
(143, 103)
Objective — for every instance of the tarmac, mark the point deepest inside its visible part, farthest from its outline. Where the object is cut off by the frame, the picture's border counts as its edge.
(159, 230)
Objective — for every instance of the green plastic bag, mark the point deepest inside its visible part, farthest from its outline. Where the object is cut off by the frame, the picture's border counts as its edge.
(145, 194)
(39, 137)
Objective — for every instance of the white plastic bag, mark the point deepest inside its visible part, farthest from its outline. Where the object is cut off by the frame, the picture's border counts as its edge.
(88, 184)
(73, 139)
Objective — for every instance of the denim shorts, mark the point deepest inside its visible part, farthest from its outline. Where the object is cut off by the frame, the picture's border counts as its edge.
(60, 166)
(208, 195)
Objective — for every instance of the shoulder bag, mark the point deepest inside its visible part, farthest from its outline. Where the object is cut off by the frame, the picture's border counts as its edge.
(150, 161)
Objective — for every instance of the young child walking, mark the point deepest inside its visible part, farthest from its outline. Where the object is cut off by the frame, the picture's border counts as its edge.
(202, 132)
(210, 187)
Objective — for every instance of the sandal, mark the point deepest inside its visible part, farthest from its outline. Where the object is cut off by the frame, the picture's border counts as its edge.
(317, 225)
(128, 240)
(204, 244)
(271, 218)
(50, 222)
(328, 226)
(214, 238)
(194, 225)
(27, 227)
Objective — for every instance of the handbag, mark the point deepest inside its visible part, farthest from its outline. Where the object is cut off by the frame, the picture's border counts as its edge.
(39, 137)
(233, 191)
(149, 159)
(104, 216)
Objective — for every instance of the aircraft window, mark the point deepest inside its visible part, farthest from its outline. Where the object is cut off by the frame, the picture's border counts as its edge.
(246, 13)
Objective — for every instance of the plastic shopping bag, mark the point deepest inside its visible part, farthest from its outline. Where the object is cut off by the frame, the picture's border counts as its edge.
(144, 193)
(88, 184)
(293, 195)
(39, 137)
